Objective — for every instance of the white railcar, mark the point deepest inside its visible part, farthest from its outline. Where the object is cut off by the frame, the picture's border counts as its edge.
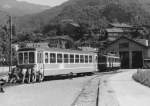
(108, 62)
(40, 62)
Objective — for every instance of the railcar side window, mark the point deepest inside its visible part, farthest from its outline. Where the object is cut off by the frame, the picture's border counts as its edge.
(46, 57)
(20, 57)
(90, 59)
(59, 58)
(25, 58)
(86, 59)
(81, 59)
(52, 58)
(77, 58)
(65, 58)
(71, 58)
(31, 57)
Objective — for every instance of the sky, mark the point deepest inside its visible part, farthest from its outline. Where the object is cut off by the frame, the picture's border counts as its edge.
(46, 2)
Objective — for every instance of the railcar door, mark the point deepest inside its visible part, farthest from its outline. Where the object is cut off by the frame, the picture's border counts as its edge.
(40, 65)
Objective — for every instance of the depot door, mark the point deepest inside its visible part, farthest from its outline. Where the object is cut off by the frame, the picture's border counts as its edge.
(137, 59)
(124, 57)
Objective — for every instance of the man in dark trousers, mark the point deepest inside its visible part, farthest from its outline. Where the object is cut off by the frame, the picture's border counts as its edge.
(2, 82)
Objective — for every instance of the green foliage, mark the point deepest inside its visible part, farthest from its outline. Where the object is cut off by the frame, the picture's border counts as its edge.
(142, 76)
(94, 13)
(4, 45)
(89, 14)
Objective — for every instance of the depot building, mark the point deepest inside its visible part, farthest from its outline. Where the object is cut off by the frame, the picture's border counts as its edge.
(134, 53)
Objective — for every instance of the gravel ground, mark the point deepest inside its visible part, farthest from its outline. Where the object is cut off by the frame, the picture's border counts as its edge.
(49, 93)
(88, 95)
(128, 91)
(80, 91)
(107, 95)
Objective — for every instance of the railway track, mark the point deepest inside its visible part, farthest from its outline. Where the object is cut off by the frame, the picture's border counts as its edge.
(89, 95)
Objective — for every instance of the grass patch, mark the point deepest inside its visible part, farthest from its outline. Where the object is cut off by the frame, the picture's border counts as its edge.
(142, 76)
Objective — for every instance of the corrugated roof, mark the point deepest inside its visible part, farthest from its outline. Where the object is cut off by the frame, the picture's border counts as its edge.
(65, 37)
(121, 25)
(75, 24)
(118, 30)
(127, 39)
(56, 50)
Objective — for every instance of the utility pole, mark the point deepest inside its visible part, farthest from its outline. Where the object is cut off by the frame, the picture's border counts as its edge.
(10, 43)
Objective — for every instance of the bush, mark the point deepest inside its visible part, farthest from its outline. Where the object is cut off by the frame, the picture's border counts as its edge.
(142, 76)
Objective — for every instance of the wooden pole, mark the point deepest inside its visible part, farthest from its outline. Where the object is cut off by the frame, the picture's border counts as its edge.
(10, 43)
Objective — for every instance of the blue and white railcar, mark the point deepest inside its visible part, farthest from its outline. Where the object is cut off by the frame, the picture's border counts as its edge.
(108, 62)
(40, 62)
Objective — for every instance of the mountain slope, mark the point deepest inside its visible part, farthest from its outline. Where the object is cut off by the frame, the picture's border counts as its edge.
(18, 8)
(87, 11)
(145, 4)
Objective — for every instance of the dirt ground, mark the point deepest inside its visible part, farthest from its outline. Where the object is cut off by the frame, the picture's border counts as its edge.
(50, 93)
(107, 95)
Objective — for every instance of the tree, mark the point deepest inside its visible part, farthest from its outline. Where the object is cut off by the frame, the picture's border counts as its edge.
(4, 45)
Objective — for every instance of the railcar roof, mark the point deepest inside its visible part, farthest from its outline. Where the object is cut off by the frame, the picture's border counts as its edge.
(56, 50)
(114, 56)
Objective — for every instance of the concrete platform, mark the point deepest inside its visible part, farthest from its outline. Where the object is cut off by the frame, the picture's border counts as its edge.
(127, 91)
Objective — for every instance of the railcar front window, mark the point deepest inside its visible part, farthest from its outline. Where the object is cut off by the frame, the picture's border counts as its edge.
(31, 57)
(25, 58)
(102, 58)
(39, 58)
(46, 57)
(20, 58)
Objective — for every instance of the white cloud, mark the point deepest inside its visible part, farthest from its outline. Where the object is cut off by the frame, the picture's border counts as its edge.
(46, 2)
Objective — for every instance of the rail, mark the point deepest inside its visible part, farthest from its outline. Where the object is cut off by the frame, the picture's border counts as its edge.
(98, 90)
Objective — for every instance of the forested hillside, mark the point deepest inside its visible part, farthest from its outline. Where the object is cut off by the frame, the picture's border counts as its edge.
(87, 11)
(18, 8)
(82, 14)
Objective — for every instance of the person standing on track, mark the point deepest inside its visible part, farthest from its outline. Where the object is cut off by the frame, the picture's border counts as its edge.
(2, 82)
